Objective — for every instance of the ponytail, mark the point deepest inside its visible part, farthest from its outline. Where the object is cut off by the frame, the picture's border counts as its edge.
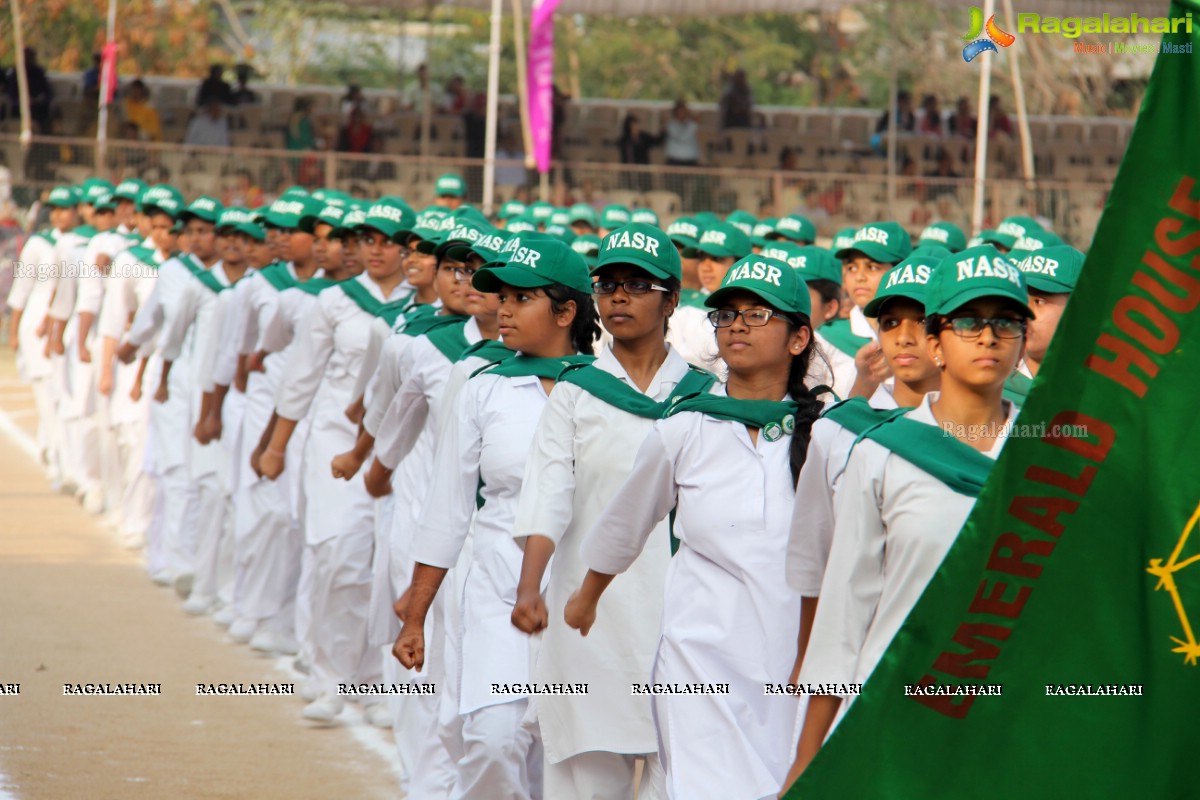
(810, 407)
(585, 328)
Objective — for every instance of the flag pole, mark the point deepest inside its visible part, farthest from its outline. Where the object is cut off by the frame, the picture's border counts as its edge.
(22, 78)
(493, 92)
(108, 64)
(981, 127)
(1019, 94)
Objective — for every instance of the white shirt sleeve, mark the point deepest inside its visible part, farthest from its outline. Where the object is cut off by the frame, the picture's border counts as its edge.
(149, 318)
(644, 499)
(387, 382)
(175, 332)
(854, 577)
(380, 333)
(228, 330)
(405, 417)
(548, 488)
(28, 270)
(450, 504)
(115, 308)
(307, 361)
(812, 520)
(276, 332)
(69, 260)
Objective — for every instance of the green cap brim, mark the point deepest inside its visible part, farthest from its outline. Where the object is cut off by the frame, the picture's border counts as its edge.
(644, 264)
(872, 308)
(491, 278)
(957, 301)
(872, 250)
(687, 242)
(993, 237)
(772, 299)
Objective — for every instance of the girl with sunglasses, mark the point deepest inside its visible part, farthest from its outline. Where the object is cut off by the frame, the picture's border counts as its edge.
(727, 462)
(547, 314)
(911, 483)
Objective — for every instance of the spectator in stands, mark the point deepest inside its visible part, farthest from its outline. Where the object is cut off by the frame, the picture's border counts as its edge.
(635, 146)
(299, 133)
(931, 117)
(214, 88)
(737, 103)
(558, 113)
(138, 110)
(906, 121)
(998, 119)
(91, 78)
(962, 122)
(412, 97)
(41, 93)
(474, 116)
(457, 96)
(209, 127)
(509, 149)
(244, 193)
(242, 94)
(352, 99)
(357, 136)
(682, 144)
(944, 169)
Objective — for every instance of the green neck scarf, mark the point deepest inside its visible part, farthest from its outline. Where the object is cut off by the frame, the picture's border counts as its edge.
(426, 322)
(857, 415)
(489, 350)
(49, 234)
(775, 418)
(1017, 387)
(521, 366)
(363, 298)
(202, 273)
(619, 394)
(146, 255)
(86, 231)
(449, 338)
(693, 298)
(838, 334)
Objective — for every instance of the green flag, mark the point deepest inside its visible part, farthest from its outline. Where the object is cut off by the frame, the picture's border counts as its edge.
(1074, 587)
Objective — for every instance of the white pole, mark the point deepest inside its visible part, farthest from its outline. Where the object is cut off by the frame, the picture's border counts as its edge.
(105, 78)
(1022, 111)
(893, 123)
(981, 129)
(522, 86)
(22, 78)
(493, 97)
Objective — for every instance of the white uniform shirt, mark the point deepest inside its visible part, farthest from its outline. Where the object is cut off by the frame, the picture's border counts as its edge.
(829, 448)
(895, 523)
(694, 338)
(728, 616)
(582, 453)
(32, 291)
(831, 367)
(160, 306)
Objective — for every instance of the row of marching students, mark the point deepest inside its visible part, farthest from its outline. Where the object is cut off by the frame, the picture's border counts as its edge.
(466, 445)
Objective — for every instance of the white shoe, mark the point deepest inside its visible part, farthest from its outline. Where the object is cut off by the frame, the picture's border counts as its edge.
(378, 714)
(225, 616)
(197, 605)
(300, 665)
(309, 691)
(183, 585)
(93, 500)
(324, 709)
(273, 642)
(162, 578)
(242, 630)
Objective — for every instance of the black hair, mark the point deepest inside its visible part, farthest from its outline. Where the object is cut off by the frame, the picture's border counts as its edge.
(828, 290)
(585, 328)
(810, 407)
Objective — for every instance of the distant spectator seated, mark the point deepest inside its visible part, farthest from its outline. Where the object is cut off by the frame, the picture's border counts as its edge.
(412, 97)
(906, 121)
(962, 122)
(242, 94)
(998, 119)
(209, 127)
(737, 104)
(91, 78)
(509, 149)
(931, 117)
(244, 193)
(352, 99)
(214, 88)
(136, 109)
(682, 146)
(357, 135)
(635, 145)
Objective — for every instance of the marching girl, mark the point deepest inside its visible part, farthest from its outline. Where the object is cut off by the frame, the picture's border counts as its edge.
(909, 487)
(547, 314)
(727, 461)
(320, 373)
(583, 450)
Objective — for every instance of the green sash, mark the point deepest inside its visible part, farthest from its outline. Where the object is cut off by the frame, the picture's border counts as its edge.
(449, 340)
(315, 286)
(49, 234)
(930, 449)
(145, 255)
(201, 273)
(413, 313)
(425, 323)
(838, 334)
(86, 231)
(1016, 388)
(521, 366)
(363, 298)
(619, 394)
(774, 418)
(278, 276)
(857, 415)
(489, 350)
(693, 298)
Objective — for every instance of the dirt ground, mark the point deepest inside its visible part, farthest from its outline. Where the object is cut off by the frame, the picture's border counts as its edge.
(76, 608)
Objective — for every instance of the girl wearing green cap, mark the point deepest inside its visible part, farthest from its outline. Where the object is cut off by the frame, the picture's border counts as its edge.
(727, 462)
(911, 483)
(321, 370)
(546, 314)
(583, 450)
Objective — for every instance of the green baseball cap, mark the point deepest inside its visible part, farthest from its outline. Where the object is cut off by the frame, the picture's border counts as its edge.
(645, 216)
(521, 224)
(513, 208)
(540, 211)
(205, 208)
(684, 232)
(353, 217)
(530, 262)
(94, 188)
(429, 228)
(909, 278)
(773, 281)
(1037, 240)
(105, 202)
(976, 272)
(985, 236)
(614, 216)
(582, 212)
(162, 198)
(721, 239)
(795, 228)
(390, 216)
(814, 263)
(490, 245)
(63, 197)
(1013, 228)
(560, 217)
(843, 240)
(1051, 270)
(765, 226)
(288, 211)
(588, 247)
(457, 242)
(885, 242)
(129, 189)
(644, 246)
(706, 218)
(242, 221)
(450, 185)
(946, 234)
(560, 232)
(328, 214)
(744, 220)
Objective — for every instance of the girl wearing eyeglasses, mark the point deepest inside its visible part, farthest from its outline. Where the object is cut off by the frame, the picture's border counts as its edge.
(727, 462)
(583, 450)
(547, 314)
(911, 483)
(339, 516)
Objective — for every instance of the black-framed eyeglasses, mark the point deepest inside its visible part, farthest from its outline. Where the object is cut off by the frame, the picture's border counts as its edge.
(753, 317)
(632, 286)
(462, 274)
(972, 327)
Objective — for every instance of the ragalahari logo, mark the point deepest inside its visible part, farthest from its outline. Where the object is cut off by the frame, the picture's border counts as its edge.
(976, 44)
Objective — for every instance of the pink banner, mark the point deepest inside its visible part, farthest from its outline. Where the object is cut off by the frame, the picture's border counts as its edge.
(541, 80)
(108, 71)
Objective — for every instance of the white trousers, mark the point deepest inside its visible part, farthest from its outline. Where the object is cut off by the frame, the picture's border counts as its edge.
(49, 429)
(267, 550)
(604, 776)
(171, 548)
(214, 541)
(341, 591)
(138, 488)
(502, 756)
